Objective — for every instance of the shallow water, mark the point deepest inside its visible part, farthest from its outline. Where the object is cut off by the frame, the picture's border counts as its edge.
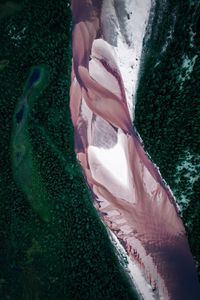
(35, 76)
(19, 114)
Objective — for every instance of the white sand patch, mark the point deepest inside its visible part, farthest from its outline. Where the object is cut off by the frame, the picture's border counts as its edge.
(109, 158)
(101, 49)
(110, 168)
(124, 24)
(143, 288)
(101, 75)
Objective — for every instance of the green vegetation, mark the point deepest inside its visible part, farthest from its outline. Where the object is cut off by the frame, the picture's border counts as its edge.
(8, 8)
(168, 110)
(25, 169)
(53, 244)
(3, 64)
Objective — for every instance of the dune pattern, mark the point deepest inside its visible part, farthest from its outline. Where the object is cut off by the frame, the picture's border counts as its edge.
(128, 191)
